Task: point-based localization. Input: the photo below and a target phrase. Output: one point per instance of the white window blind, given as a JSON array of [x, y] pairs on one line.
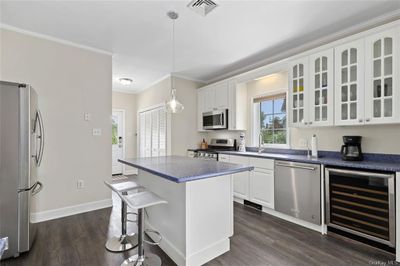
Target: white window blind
[[153, 133]]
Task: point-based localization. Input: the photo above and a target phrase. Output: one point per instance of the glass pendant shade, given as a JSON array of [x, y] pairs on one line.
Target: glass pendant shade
[[173, 105]]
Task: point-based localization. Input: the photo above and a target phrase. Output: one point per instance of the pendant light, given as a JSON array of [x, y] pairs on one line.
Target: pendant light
[[173, 105]]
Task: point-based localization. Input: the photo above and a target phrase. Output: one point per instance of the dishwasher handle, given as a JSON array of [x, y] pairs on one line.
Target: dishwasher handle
[[297, 166]]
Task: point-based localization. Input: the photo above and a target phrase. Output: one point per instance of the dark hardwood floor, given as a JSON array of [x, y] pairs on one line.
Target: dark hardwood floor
[[260, 239]]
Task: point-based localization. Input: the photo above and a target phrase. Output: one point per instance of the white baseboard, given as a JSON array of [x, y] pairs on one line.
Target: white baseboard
[[203, 256], [70, 210], [172, 251], [209, 253]]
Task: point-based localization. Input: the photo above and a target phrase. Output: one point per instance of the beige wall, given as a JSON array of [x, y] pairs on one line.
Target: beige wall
[[376, 139], [184, 133], [70, 82], [127, 102]]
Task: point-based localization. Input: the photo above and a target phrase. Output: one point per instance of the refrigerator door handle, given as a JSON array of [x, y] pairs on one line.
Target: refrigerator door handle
[[37, 188], [40, 136]]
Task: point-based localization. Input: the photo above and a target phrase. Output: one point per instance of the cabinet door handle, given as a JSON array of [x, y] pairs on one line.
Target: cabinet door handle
[[360, 120], [305, 123], [367, 120], [310, 123]]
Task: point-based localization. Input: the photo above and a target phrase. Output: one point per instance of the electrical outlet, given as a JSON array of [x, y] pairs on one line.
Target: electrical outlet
[[80, 184], [303, 143], [87, 117], [96, 131]]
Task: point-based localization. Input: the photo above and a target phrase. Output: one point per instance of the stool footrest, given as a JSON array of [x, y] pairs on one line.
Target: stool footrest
[[129, 220], [153, 243]]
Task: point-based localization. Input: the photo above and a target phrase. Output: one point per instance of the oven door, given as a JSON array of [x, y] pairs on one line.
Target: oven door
[[215, 119]]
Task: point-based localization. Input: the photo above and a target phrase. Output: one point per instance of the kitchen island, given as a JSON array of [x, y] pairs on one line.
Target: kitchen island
[[197, 222]]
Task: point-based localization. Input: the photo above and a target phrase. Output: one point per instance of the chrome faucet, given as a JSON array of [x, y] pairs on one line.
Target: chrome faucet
[[260, 136]]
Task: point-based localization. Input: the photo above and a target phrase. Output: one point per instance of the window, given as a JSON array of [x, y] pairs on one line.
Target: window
[[271, 119]]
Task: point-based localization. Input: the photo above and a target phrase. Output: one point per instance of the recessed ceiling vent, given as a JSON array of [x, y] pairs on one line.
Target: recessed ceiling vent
[[202, 7]]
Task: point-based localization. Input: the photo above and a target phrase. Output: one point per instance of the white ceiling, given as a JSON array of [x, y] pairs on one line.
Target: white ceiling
[[235, 34]]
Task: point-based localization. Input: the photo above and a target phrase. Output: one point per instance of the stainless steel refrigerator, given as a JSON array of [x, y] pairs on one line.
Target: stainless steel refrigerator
[[21, 152]]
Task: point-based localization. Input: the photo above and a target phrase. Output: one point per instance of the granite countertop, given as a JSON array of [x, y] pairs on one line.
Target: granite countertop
[[380, 162], [182, 169]]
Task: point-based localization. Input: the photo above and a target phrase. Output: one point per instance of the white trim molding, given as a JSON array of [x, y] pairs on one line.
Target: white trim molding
[[356, 31], [70, 210], [54, 39]]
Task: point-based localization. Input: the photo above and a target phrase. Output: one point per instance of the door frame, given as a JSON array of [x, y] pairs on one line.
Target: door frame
[[123, 136]]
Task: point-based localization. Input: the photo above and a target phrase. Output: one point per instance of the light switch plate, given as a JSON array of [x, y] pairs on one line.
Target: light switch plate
[[80, 184], [87, 117], [96, 131]]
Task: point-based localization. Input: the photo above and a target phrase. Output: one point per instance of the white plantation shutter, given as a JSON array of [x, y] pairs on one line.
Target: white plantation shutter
[[147, 126], [142, 134], [153, 133], [162, 132]]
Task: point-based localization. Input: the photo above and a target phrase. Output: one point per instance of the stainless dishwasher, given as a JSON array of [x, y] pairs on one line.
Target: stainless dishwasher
[[298, 190]]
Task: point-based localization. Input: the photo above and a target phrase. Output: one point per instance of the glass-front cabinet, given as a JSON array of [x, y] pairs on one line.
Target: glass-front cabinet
[[349, 83], [298, 92], [321, 89], [382, 78]]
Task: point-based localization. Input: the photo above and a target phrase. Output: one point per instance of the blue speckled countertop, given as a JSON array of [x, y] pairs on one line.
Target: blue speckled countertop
[[380, 162], [182, 169]]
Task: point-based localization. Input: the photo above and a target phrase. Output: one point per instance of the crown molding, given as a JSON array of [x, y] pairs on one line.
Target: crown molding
[[54, 39], [388, 18]]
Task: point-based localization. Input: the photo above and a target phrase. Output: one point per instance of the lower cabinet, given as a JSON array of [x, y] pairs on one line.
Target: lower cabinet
[[241, 185], [256, 186], [240, 180], [262, 187]]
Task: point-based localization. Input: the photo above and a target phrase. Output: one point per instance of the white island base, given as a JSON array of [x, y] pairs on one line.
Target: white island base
[[197, 221]]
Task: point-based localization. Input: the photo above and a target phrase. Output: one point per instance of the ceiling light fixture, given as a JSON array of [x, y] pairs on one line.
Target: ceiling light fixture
[[125, 81], [173, 105], [274, 75]]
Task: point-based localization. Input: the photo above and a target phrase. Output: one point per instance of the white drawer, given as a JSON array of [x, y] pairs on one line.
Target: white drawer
[[239, 159], [262, 163], [223, 158]]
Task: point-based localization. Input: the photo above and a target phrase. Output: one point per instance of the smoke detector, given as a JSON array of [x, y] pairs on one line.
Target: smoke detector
[[202, 7]]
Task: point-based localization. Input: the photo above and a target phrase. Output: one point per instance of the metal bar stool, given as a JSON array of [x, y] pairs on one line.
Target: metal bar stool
[[140, 201], [124, 241]]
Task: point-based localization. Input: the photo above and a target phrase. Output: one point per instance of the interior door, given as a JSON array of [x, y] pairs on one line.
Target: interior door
[[117, 141]]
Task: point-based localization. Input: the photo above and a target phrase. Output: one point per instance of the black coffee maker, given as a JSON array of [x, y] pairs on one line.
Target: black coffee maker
[[351, 150]]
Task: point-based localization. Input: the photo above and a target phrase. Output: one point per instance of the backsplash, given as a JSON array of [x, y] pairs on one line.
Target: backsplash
[[376, 139]]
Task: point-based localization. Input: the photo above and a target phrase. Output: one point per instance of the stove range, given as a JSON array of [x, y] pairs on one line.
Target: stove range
[[215, 146]]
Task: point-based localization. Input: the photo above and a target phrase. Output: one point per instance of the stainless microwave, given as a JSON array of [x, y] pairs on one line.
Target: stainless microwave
[[217, 119]]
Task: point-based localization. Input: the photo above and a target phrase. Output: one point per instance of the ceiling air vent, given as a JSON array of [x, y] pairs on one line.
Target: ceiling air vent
[[202, 7]]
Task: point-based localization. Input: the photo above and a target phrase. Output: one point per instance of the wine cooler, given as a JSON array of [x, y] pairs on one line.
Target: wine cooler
[[361, 203]]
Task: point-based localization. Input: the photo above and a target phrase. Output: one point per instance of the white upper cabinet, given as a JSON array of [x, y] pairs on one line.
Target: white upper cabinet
[[226, 94], [201, 107], [321, 89], [210, 98], [221, 95], [237, 106], [298, 93], [215, 96], [382, 102], [349, 83]]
